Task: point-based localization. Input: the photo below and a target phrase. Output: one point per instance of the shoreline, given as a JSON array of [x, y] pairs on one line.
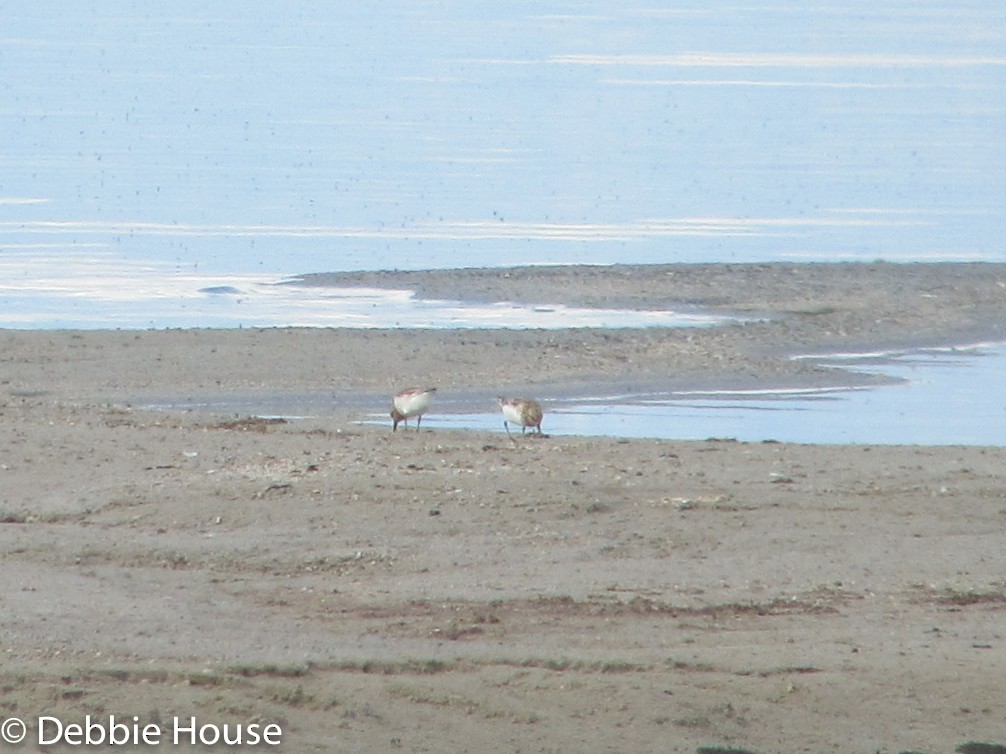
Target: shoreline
[[804, 309], [456, 590]]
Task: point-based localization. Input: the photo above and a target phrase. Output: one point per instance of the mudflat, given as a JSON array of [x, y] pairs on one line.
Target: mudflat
[[460, 591]]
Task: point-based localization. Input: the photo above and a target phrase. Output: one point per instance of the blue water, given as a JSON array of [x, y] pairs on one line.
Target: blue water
[[942, 397], [166, 165], [281, 138]]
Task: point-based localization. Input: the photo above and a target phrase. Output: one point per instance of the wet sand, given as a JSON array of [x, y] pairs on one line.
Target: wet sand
[[456, 591]]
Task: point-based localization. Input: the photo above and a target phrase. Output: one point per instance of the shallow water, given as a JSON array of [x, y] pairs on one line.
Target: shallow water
[[935, 397], [943, 397], [56, 295]]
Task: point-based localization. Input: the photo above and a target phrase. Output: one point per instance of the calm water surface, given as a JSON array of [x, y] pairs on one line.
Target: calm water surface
[[166, 165], [942, 397], [283, 138]]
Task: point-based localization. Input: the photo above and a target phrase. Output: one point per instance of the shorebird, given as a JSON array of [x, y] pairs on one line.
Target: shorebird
[[523, 411], [413, 401]]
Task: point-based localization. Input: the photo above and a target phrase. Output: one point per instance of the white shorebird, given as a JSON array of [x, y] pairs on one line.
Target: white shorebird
[[523, 411], [413, 401]]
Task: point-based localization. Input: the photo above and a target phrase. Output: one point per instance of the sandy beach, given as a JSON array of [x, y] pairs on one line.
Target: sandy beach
[[439, 591]]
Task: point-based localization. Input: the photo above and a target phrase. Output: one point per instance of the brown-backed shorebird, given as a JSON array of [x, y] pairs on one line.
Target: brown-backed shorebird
[[523, 411]]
